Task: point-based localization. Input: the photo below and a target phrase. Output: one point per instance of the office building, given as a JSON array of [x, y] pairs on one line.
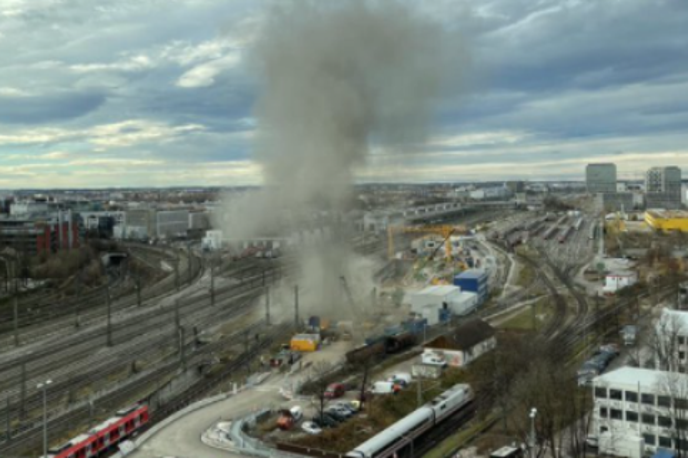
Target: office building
[[600, 178], [637, 411], [663, 187]]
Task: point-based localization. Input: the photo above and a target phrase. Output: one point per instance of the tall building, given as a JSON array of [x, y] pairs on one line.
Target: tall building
[[663, 187], [600, 178]]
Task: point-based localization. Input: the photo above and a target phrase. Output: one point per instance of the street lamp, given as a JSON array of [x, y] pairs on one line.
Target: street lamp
[[44, 386], [531, 445]]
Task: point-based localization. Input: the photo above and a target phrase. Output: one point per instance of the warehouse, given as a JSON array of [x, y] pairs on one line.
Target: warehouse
[[667, 220], [462, 346]]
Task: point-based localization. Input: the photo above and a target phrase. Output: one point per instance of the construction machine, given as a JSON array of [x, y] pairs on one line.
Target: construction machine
[[446, 231]]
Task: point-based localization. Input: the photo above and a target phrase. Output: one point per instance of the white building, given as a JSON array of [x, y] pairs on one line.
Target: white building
[[28, 208], [91, 220], [433, 296], [670, 344], [171, 223], [614, 281], [212, 240], [638, 410], [465, 344]]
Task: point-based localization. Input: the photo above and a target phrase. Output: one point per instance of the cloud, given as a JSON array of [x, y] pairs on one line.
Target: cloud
[[48, 107], [122, 134], [205, 74], [554, 83], [132, 64]]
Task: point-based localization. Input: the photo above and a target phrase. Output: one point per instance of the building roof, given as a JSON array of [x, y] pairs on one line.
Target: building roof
[[677, 320], [668, 214], [472, 274], [632, 376], [464, 337], [439, 290]]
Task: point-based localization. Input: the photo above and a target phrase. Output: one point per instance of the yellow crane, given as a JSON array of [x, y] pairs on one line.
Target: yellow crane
[[445, 231]]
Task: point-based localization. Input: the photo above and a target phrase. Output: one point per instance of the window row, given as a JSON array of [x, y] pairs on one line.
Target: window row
[[645, 418], [645, 398], [661, 441]]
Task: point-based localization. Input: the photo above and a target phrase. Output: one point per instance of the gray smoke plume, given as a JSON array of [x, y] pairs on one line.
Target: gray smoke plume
[[337, 78]]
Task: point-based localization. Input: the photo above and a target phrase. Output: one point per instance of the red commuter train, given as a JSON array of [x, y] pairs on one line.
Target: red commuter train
[[105, 436]]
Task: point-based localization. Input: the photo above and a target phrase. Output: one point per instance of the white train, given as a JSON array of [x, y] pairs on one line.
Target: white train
[[401, 433]]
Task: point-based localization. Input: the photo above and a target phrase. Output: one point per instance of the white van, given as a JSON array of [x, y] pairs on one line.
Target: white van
[[383, 387], [402, 378]]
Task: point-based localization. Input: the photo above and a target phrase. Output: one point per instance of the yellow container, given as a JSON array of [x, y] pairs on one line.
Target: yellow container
[[305, 342]]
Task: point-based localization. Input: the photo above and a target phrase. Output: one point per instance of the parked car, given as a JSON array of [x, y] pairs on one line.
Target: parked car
[[351, 406], [325, 421], [337, 414], [611, 348], [335, 390], [402, 378], [288, 418], [311, 427]]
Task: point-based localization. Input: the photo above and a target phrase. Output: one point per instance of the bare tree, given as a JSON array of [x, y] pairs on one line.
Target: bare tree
[[667, 342], [674, 387], [320, 371]]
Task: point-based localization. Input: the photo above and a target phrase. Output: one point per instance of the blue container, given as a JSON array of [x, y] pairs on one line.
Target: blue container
[[473, 280], [314, 322], [445, 315]]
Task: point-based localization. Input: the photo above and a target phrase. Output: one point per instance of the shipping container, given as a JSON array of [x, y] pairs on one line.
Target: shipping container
[[305, 342], [475, 281]]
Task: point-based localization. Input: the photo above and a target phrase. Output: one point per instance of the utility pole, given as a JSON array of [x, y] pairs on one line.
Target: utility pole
[[16, 320], [182, 353], [296, 306], [176, 273], [109, 317], [177, 317], [267, 305], [138, 290], [22, 391], [190, 276], [8, 435], [212, 281], [419, 392], [44, 386]]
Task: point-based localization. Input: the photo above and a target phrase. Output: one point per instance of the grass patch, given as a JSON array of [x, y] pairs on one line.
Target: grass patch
[[523, 320]]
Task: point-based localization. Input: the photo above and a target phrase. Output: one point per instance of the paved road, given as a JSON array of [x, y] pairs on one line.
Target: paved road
[[182, 439]]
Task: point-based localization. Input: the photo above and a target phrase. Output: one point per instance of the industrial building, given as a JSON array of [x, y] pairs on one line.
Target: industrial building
[[437, 303], [465, 344], [638, 410], [148, 223], [667, 220], [663, 187], [600, 178], [618, 201], [475, 281]]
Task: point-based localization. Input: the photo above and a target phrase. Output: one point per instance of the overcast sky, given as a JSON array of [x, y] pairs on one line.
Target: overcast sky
[[158, 92]]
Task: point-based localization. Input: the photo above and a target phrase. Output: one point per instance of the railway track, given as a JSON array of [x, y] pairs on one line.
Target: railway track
[[93, 309], [27, 438], [82, 367]]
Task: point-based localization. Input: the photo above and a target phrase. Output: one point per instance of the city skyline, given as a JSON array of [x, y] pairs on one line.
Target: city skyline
[[141, 93]]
